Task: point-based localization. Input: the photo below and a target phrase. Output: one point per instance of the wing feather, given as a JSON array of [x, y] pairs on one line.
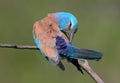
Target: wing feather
[[45, 32]]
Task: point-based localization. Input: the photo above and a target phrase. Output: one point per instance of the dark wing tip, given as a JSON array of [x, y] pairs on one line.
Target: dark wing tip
[[91, 54], [76, 64], [61, 66]]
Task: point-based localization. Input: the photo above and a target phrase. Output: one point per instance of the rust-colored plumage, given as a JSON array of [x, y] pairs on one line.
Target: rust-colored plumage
[[45, 31]]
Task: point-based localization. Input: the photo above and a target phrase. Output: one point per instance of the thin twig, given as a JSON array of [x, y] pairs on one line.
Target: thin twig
[[17, 46], [83, 64]]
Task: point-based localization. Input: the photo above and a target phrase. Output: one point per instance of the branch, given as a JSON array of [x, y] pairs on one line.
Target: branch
[[83, 64], [17, 46]]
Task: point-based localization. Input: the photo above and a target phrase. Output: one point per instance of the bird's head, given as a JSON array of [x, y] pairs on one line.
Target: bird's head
[[68, 24]]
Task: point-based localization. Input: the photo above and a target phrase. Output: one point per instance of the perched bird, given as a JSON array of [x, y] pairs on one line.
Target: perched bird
[[53, 35], [68, 24]]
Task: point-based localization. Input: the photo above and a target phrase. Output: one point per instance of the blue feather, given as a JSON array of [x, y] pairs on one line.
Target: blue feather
[[38, 44], [36, 41], [64, 19], [70, 51]]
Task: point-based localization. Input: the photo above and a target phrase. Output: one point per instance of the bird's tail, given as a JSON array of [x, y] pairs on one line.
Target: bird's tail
[[83, 54], [61, 66], [76, 64], [67, 50]]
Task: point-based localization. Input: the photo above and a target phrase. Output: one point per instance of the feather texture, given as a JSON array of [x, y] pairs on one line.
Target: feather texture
[[70, 51], [45, 32]]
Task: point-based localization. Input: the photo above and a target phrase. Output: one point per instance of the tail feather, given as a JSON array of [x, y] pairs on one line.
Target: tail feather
[[74, 52], [67, 50], [76, 64], [61, 66]]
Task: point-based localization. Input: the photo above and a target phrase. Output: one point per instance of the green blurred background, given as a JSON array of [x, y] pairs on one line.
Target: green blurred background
[[99, 29]]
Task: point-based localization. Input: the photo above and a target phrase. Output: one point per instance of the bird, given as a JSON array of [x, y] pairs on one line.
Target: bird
[[68, 24], [53, 36]]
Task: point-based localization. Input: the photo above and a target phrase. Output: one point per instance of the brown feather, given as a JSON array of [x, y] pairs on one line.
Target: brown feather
[[45, 32]]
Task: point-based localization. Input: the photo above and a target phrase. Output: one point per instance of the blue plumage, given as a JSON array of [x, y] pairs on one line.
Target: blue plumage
[[38, 44], [67, 50], [64, 19], [68, 23]]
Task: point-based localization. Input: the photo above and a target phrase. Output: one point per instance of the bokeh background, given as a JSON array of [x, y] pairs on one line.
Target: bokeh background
[[99, 29]]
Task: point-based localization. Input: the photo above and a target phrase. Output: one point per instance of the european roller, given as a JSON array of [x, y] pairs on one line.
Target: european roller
[[68, 24], [53, 35]]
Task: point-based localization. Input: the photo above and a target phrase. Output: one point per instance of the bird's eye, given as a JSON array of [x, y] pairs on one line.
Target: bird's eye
[[69, 27]]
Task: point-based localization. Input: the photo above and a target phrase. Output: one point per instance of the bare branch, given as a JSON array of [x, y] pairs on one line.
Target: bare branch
[[83, 64], [17, 46]]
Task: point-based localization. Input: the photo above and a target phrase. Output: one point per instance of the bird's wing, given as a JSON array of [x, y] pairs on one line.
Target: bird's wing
[[45, 32], [68, 50]]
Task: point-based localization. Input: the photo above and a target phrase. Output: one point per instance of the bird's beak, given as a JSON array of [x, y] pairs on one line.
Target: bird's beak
[[71, 36]]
